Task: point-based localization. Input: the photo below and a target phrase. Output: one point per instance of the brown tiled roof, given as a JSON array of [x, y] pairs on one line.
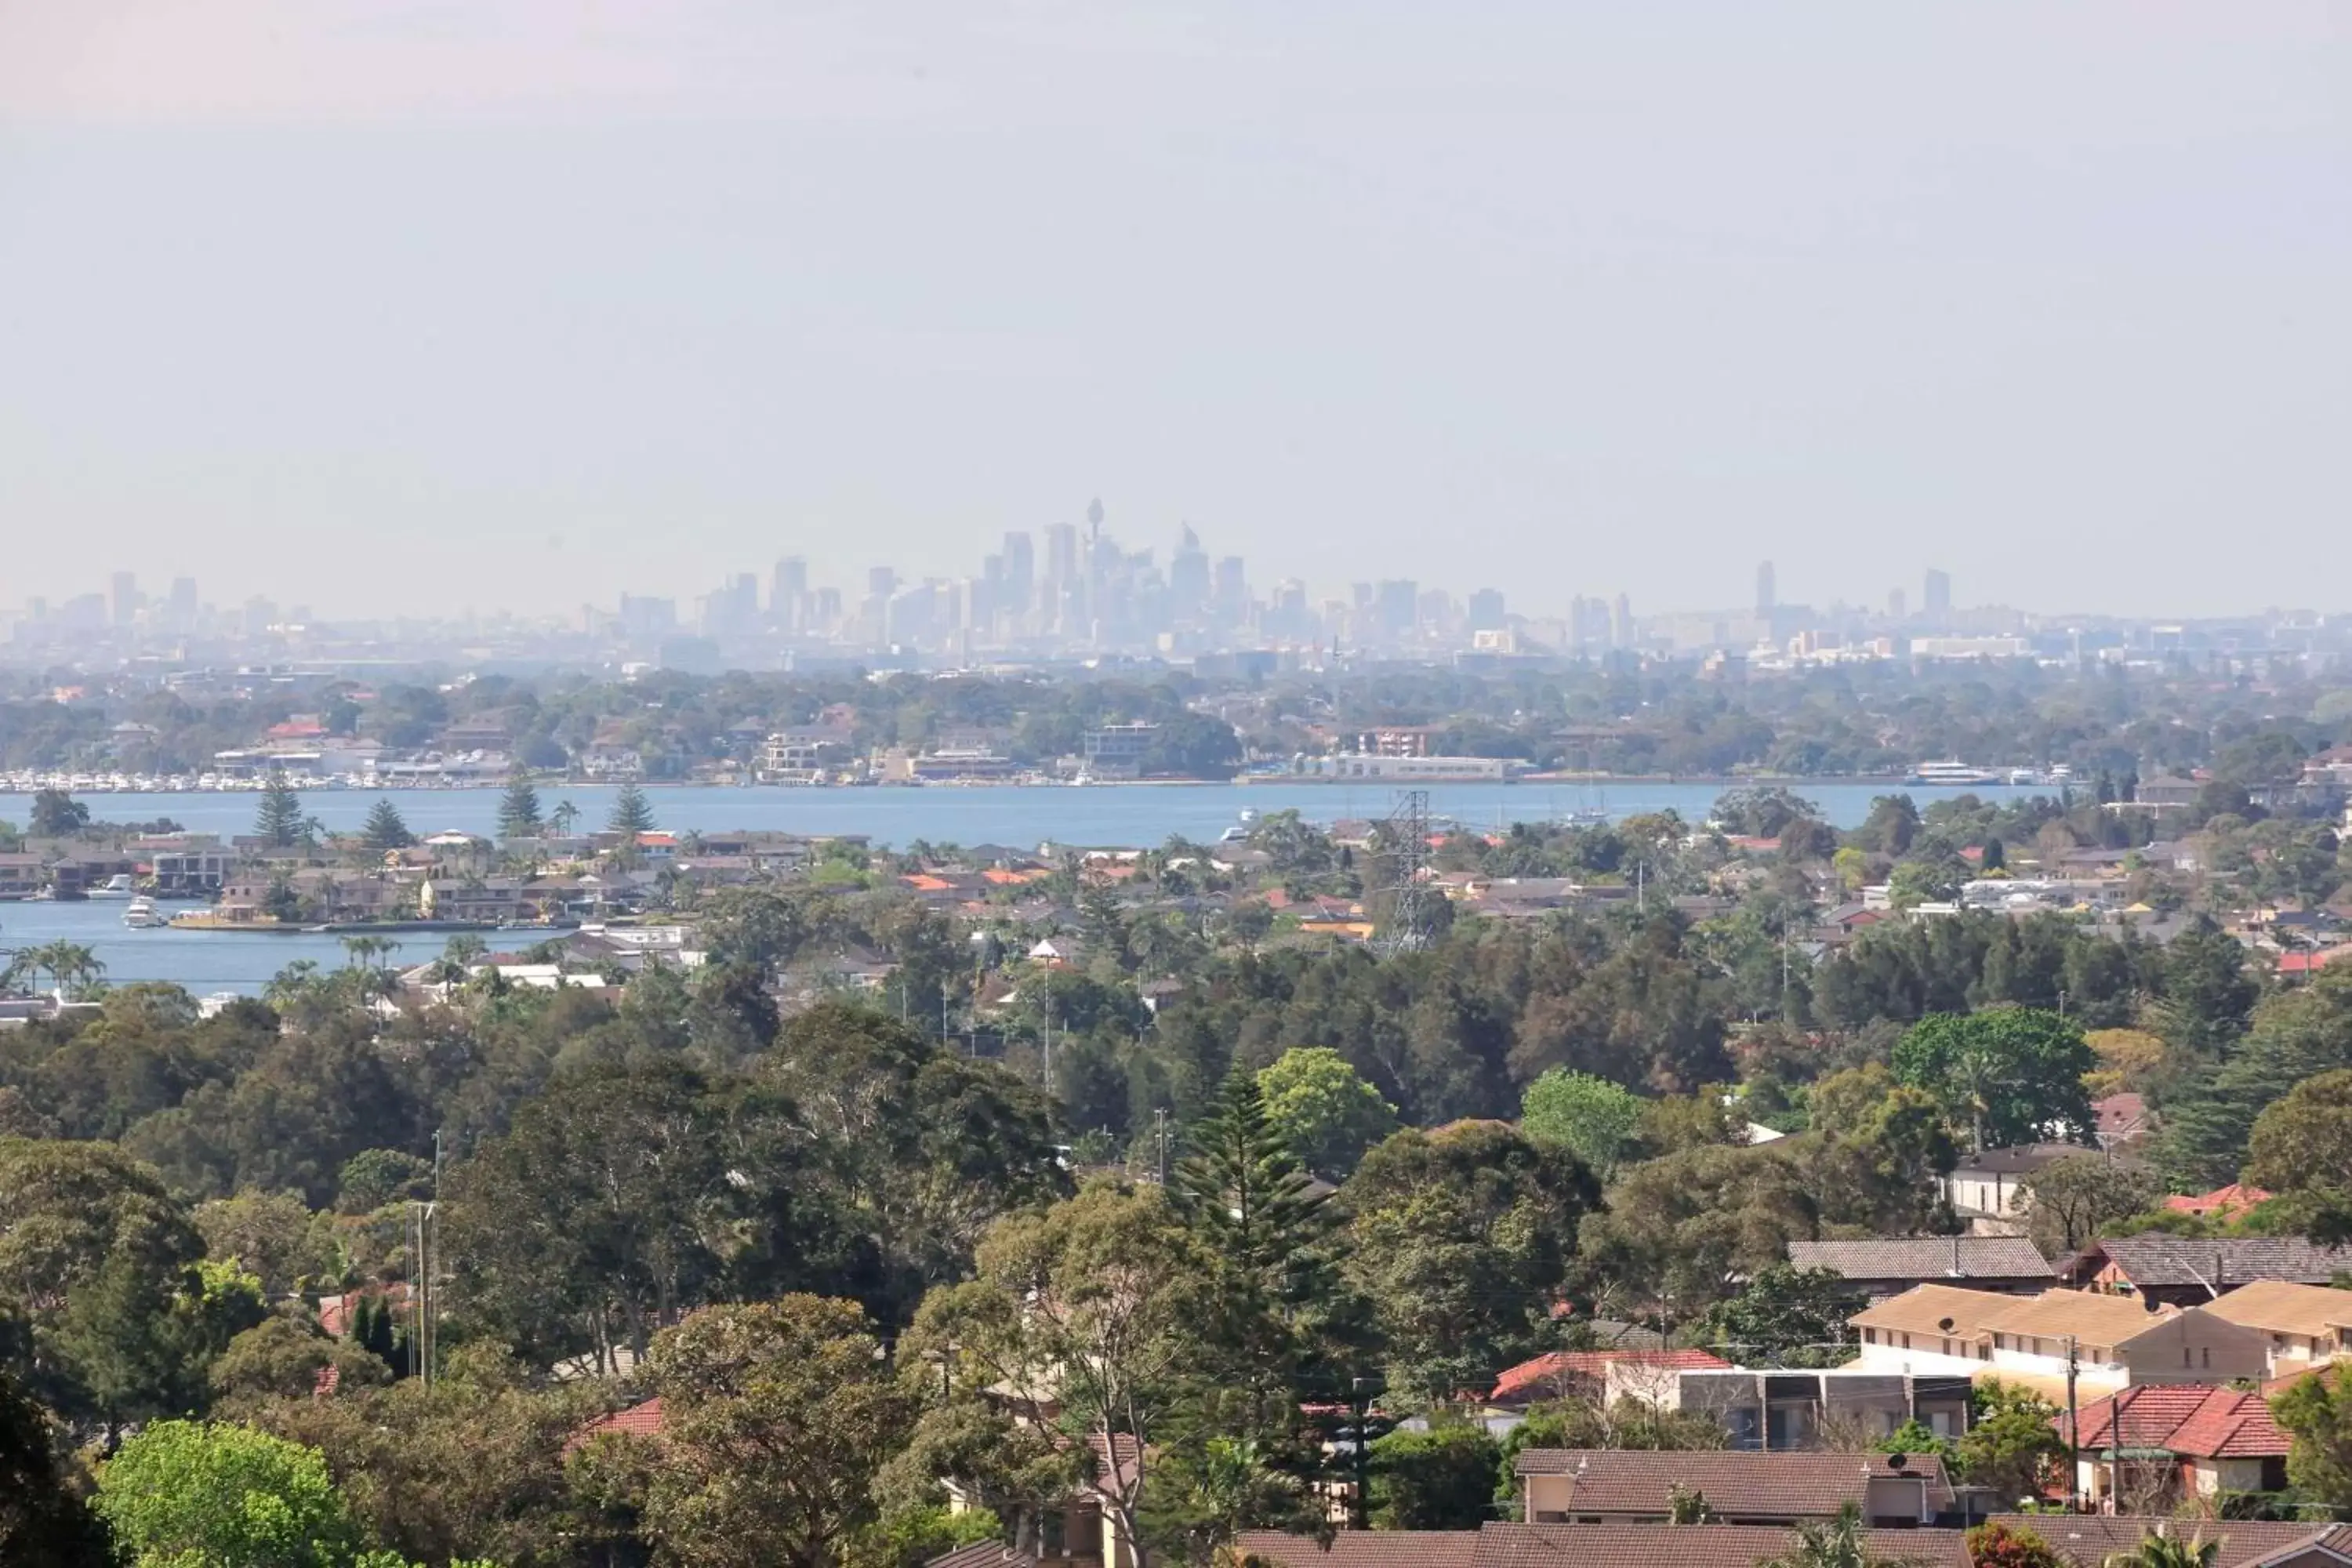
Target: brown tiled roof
[[1688, 1546], [2283, 1307], [1925, 1257], [2095, 1320], [985, 1554], [1365, 1549], [2200, 1420], [1792, 1486], [2221, 1261], [2089, 1540]]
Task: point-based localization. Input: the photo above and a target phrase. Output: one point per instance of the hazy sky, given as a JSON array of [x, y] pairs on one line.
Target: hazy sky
[[412, 307]]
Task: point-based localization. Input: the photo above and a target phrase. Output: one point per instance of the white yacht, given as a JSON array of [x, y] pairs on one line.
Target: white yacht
[[140, 914], [1952, 771], [119, 885]]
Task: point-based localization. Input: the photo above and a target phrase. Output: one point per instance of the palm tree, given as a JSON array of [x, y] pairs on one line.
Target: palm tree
[[1839, 1542], [2158, 1548], [70, 966], [564, 815]]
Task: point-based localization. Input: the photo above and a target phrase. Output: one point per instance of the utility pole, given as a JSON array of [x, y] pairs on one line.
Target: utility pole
[[2073, 1434], [1159, 1120]]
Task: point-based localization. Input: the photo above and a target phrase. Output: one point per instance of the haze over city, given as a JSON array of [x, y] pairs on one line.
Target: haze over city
[[394, 310]]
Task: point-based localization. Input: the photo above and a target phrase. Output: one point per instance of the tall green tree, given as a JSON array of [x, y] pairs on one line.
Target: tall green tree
[[98, 1261], [632, 812], [384, 828], [1786, 1317], [1462, 1240], [43, 1522], [2209, 1119], [519, 815], [57, 815], [1085, 1317], [279, 822], [185, 1493], [1323, 1111], [776, 1420], [2005, 1074], [1443, 1478], [1591, 1117]]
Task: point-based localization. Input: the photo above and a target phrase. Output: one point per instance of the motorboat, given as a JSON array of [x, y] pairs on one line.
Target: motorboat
[[119, 885], [140, 914]]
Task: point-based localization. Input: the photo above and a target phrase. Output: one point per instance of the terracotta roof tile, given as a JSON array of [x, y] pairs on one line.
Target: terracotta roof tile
[[1547, 1374], [1689, 1546], [1365, 1549], [2089, 1540], [2195, 1419]]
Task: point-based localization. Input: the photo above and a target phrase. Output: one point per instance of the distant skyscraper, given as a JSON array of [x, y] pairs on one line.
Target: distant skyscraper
[[881, 582], [1188, 574], [1398, 606], [1938, 600], [1895, 606], [1062, 553], [1766, 598], [1019, 586], [126, 598], [788, 595], [1621, 622], [184, 608], [1486, 610]]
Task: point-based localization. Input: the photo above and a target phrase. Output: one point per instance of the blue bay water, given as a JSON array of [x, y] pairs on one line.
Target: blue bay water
[[1021, 816]]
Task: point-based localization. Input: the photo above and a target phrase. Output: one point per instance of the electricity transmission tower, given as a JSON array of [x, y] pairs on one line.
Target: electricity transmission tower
[[1412, 924]]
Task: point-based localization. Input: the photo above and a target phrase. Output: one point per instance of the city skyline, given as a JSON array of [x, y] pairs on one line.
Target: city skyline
[[1578, 300]]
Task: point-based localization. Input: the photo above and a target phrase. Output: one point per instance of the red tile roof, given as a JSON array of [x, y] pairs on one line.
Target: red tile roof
[[2221, 1200], [2198, 1420], [637, 1421], [1548, 1374]]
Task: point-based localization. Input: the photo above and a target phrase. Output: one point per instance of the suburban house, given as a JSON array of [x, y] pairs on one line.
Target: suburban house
[[1617, 1485], [194, 868], [2112, 1342], [1991, 1190], [2301, 1326], [21, 875], [1888, 1266], [1781, 1410], [1609, 1375], [1499, 1545], [2221, 1203], [2158, 1445], [2186, 1270]]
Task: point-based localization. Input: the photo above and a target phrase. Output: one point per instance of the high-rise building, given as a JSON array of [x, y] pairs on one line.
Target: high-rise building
[[1486, 610], [1229, 593], [126, 598], [1621, 622], [1062, 553], [1020, 584], [1766, 598], [1188, 575], [184, 610], [1397, 609], [788, 595], [1937, 602]]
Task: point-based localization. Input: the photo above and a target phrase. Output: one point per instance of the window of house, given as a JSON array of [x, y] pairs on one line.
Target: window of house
[[2207, 1353], [2184, 1355]]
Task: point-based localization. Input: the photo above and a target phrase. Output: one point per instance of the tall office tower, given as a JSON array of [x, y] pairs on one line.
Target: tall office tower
[[1062, 555], [826, 613], [642, 617], [126, 598], [1188, 575], [1486, 610], [1938, 600], [1621, 622], [1895, 607], [1094, 519], [1229, 592], [788, 595], [1767, 600], [1397, 607], [881, 582], [746, 594], [184, 607], [1019, 586]]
